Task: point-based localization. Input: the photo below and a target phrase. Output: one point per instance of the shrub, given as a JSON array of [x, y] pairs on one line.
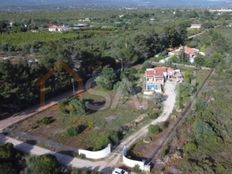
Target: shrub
[[154, 114], [10, 160], [72, 132], [154, 129], [190, 147], [136, 169], [73, 107], [100, 141], [84, 171], [46, 120], [7, 168], [45, 164], [7, 152], [115, 137]]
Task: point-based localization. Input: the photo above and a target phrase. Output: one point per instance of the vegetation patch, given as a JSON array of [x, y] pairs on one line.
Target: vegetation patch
[[46, 120], [73, 107], [154, 129]]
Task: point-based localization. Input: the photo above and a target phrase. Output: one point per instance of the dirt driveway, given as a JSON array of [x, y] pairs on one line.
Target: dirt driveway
[[169, 104]]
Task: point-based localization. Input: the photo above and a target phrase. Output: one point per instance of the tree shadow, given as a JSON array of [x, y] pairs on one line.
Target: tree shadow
[[31, 142], [93, 106]]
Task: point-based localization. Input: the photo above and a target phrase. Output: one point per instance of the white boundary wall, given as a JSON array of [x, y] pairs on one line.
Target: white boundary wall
[[96, 154], [133, 163]]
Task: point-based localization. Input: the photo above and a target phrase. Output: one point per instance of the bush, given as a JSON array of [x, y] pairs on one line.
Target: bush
[[136, 169], [72, 132], [46, 120], [7, 152], [100, 141], [73, 107], [154, 129], [190, 147], [7, 168], [115, 137], [45, 164], [84, 171], [154, 114]]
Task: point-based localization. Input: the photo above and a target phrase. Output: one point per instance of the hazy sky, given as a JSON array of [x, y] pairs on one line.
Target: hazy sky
[[158, 3]]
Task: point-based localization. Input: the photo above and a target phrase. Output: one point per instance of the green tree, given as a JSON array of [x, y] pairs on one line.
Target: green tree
[[200, 61], [174, 38], [10, 160], [107, 78], [73, 107], [45, 164]]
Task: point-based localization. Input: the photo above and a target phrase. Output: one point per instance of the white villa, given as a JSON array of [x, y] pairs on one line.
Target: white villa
[[155, 78], [191, 53], [195, 26], [58, 28]]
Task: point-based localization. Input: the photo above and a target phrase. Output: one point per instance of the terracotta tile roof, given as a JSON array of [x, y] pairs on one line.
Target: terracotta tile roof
[[191, 50], [188, 50], [158, 71], [149, 73], [55, 26]]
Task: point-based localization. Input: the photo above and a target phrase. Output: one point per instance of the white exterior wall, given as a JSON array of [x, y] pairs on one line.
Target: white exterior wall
[[133, 163], [52, 29], [96, 154]]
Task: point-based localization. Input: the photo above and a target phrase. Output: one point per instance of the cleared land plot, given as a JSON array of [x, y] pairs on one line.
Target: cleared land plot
[[96, 126]]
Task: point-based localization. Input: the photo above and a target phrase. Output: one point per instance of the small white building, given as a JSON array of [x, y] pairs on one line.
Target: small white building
[[58, 28], [195, 26]]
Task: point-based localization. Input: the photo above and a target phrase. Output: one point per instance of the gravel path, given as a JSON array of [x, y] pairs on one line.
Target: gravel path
[[64, 159], [168, 107]]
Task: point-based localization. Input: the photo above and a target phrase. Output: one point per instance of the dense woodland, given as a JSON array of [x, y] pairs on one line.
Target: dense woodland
[[118, 48]]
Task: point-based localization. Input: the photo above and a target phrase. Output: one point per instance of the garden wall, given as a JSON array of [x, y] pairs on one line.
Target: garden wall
[[133, 163], [96, 154]]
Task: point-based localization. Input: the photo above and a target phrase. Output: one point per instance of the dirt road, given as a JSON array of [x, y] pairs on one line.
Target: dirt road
[[34, 110], [169, 104]]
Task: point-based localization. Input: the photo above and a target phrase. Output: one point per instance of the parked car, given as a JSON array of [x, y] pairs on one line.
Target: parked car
[[119, 171]]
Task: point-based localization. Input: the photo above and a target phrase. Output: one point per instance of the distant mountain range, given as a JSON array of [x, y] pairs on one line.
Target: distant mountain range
[[118, 3]]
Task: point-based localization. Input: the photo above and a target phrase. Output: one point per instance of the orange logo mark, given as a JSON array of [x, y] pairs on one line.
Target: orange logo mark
[[58, 67]]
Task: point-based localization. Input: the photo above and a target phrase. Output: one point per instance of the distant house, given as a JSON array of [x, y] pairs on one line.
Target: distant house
[[81, 26], [195, 26], [34, 31], [191, 53], [121, 16], [58, 28], [156, 77], [85, 20]]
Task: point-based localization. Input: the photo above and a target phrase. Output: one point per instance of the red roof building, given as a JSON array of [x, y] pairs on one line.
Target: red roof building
[[191, 53], [156, 77]]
